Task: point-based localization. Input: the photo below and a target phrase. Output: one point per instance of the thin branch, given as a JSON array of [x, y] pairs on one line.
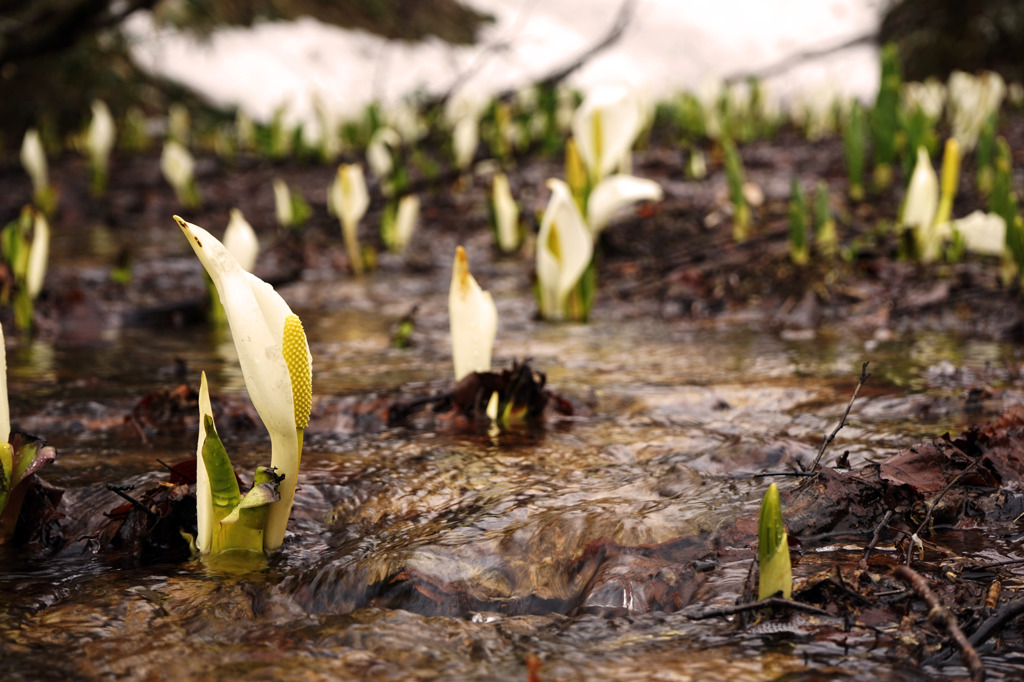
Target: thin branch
[[935, 502], [864, 376], [996, 621], [863, 565], [940, 617], [796, 59], [776, 602], [120, 491]]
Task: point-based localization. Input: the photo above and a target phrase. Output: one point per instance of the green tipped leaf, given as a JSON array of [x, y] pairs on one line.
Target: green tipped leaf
[[223, 484], [776, 574]]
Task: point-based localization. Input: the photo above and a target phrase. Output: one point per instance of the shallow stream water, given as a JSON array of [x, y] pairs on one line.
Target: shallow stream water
[[460, 553]]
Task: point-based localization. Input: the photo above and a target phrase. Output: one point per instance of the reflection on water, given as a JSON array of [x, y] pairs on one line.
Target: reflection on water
[[457, 554]]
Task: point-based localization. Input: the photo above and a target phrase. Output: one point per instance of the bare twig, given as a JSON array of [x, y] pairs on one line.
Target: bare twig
[[935, 502], [779, 602], [622, 19], [799, 58], [996, 621], [940, 617], [863, 565], [864, 376], [121, 491]]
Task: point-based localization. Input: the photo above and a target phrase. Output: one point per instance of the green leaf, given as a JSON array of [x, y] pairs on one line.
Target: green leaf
[[223, 484], [776, 574]]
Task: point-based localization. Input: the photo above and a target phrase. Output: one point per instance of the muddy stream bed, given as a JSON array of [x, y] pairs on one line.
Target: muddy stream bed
[[581, 547]]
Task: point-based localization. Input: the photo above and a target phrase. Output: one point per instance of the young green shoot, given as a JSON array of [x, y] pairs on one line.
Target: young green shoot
[[885, 117], [826, 240], [99, 141], [854, 141], [775, 569], [736, 179], [799, 233], [20, 457]]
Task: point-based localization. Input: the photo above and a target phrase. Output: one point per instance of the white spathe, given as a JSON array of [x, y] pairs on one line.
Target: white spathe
[[506, 214], [283, 203], [922, 198], [983, 233], [473, 319], [564, 250], [378, 152], [256, 315], [204, 495], [38, 256], [406, 217], [177, 165], [348, 196], [241, 241], [605, 126], [100, 136], [33, 159], [971, 100], [616, 192]]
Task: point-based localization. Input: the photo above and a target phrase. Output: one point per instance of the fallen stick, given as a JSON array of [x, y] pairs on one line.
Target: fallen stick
[[940, 617], [779, 602]]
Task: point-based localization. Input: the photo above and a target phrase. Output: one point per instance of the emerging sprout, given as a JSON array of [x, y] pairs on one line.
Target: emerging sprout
[[564, 250], [854, 140], [291, 208], [736, 180], [825, 238], [33, 159], [473, 318], [463, 113], [406, 217], [505, 214], [972, 99], [950, 181], [275, 360], [776, 573], [27, 259], [20, 457], [380, 151], [178, 167], [921, 204], [100, 141], [348, 199], [799, 237]]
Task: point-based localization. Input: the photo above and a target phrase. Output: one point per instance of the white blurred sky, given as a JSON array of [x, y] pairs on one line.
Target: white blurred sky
[[670, 45]]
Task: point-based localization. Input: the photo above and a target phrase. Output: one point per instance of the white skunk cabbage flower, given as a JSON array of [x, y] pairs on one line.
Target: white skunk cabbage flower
[[33, 159], [99, 139], [283, 203], [463, 114], [971, 100], [38, 256], [378, 152], [929, 97], [178, 167], [616, 192], [406, 217], [473, 318], [348, 199], [275, 359], [983, 233], [506, 214], [240, 240], [605, 126], [564, 250], [921, 203]]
